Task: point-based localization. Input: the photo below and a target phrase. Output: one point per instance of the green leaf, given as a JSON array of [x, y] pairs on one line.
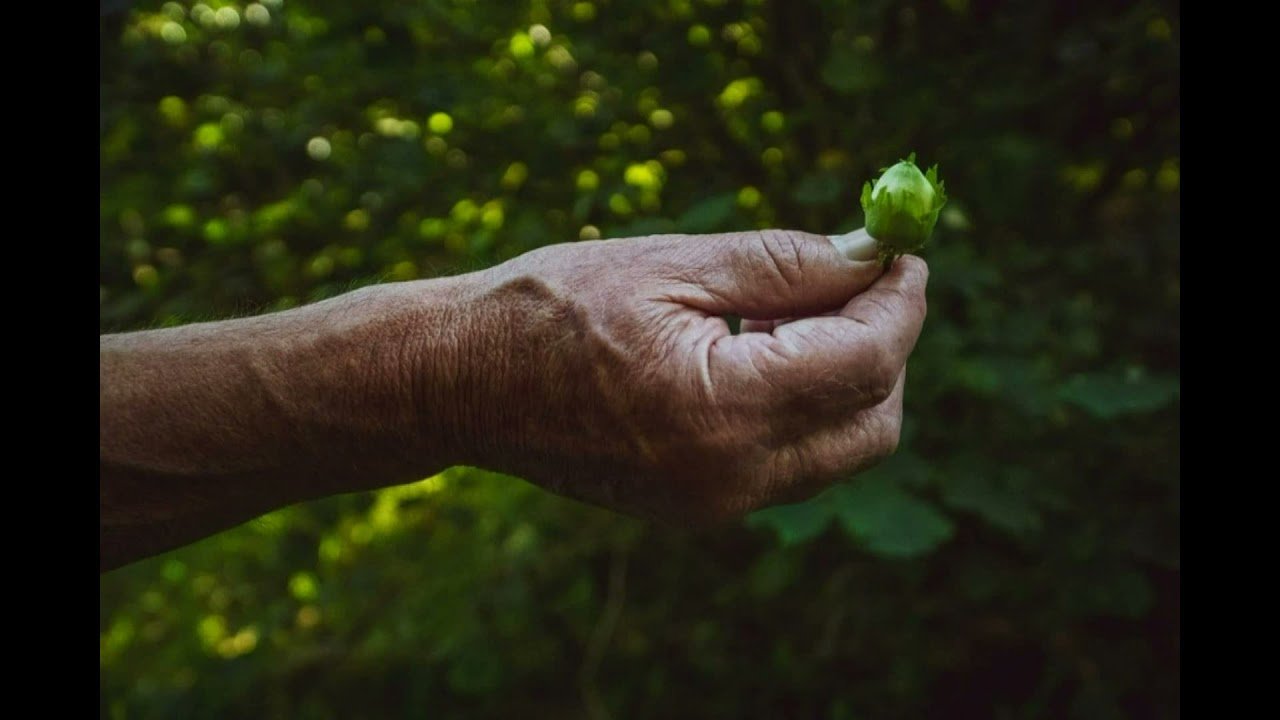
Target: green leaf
[[794, 524], [996, 502], [1019, 381], [903, 469], [889, 521], [1108, 395]]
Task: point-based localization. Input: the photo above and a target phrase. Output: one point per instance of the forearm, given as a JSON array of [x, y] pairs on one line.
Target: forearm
[[205, 426], [601, 371]]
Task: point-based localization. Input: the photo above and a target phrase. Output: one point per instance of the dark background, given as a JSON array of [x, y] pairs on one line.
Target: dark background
[[1018, 557]]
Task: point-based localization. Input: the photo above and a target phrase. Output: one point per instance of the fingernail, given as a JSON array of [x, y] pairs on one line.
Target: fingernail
[[857, 245]]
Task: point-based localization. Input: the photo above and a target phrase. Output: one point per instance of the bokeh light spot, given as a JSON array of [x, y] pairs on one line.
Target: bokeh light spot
[[588, 180], [208, 137], [1167, 179], [178, 215], [321, 266], [1159, 29], [204, 15], [515, 175], [674, 157], [303, 586], [561, 59], [432, 228], [620, 204], [356, 220], [308, 617], [400, 272], [521, 45], [455, 158], [647, 176], [739, 91], [146, 276], [435, 145], [257, 14], [492, 215], [318, 148], [173, 110], [227, 17], [440, 123], [1134, 179], [173, 33]]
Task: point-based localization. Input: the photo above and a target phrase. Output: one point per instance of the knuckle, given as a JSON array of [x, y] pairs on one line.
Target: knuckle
[[896, 300], [878, 391], [881, 373], [917, 269], [785, 250], [886, 308], [788, 463], [917, 280], [914, 296]]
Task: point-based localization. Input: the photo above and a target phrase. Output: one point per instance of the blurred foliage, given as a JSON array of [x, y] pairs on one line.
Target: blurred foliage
[[1019, 556]]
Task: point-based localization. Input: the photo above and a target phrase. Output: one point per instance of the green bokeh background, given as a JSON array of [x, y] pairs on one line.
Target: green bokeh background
[[1018, 557]]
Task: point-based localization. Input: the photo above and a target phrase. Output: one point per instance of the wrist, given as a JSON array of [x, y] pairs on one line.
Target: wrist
[[436, 353], [481, 351], [367, 380]]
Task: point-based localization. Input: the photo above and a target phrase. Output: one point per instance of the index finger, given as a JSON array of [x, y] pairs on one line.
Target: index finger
[[836, 365]]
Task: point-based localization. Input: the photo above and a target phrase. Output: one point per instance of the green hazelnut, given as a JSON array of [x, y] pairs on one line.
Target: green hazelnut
[[902, 208]]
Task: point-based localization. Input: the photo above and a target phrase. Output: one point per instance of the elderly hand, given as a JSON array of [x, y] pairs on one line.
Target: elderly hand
[[606, 371]]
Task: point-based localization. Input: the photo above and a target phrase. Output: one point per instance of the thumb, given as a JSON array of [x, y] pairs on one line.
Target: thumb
[[770, 274]]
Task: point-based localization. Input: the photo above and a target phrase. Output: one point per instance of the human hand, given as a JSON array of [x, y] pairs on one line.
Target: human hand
[[605, 371]]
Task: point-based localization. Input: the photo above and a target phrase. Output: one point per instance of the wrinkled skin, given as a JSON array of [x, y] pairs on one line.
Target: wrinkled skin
[[603, 371], [608, 374]]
